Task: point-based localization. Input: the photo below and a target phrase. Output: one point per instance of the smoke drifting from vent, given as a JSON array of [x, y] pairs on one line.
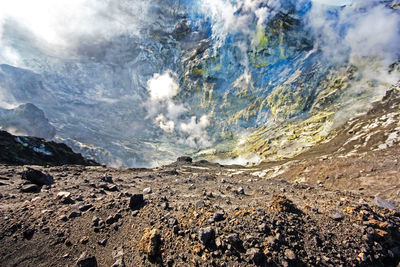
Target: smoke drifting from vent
[[361, 29], [171, 117]]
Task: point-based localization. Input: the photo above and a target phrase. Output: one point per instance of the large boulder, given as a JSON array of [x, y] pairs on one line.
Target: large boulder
[[37, 177], [86, 260]]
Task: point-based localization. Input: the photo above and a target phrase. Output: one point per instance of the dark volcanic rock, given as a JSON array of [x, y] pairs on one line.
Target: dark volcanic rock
[[37, 177], [256, 256], [28, 233], [74, 214], [218, 216], [181, 30], [337, 215], [22, 150], [86, 260], [184, 159], [383, 203], [30, 188], [136, 201], [206, 235], [234, 240]]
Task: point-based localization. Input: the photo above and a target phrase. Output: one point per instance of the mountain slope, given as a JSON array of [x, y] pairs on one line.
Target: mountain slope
[[22, 150]]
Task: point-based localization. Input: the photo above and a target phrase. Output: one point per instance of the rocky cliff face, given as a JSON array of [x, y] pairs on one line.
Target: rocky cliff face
[[27, 119], [22, 150]]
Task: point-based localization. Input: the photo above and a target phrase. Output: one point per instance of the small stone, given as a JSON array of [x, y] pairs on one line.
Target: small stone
[[219, 243], [31, 188], [63, 194], [336, 215], [108, 187], [86, 260], [85, 207], [165, 205], [74, 214], [28, 233], [206, 235], [110, 220], [107, 179], [200, 204], [136, 201], [103, 242], [135, 213], [219, 216], [289, 254], [240, 191], [172, 222], [255, 256], [362, 257], [95, 221], [84, 240], [147, 190], [263, 228], [36, 199], [112, 188], [234, 240], [175, 229], [150, 242], [185, 159], [119, 263], [65, 197], [63, 218], [383, 203]]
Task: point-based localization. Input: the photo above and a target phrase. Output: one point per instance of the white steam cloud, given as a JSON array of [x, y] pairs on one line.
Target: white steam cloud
[[163, 87], [196, 133], [240, 160], [7, 101], [231, 17], [60, 27], [170, 116], [227, 20], [334, 2], [365, 29]]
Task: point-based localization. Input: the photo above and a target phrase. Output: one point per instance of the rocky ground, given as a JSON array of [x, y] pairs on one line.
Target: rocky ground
[[187, 214], [335, 205]]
